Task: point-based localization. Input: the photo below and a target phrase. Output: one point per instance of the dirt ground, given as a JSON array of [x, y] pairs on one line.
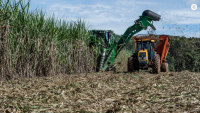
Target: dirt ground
[[103, 92]]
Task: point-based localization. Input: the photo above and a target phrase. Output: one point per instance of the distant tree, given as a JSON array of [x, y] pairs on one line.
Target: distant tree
[[184, 54]]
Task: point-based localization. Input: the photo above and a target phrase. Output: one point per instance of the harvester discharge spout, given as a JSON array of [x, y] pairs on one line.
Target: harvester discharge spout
[[151, 15]]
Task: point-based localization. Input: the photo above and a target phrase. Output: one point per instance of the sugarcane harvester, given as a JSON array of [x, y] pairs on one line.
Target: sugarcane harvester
[[110, 48]]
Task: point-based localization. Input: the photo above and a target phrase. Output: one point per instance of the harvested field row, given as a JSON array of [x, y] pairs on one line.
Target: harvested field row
[[103, 92]]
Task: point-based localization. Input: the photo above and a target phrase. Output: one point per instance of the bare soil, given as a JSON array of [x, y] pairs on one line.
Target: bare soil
[[103, 92]]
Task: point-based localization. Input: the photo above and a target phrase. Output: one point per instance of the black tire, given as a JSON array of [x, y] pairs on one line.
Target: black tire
[[164, 67], [156, 64], [135, 67], [130, 64]]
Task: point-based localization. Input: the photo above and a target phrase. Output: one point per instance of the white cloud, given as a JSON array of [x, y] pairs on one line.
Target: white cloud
[[190, 2], [181, 16], [134, 2], [185, 13], [119, 15]]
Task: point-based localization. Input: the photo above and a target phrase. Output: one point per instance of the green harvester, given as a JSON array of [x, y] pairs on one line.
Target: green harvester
[[110, 48]]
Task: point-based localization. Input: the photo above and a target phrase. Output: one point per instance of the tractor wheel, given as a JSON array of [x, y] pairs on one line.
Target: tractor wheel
[[164, 67], [156, 64], [135, 68], [130, 64]]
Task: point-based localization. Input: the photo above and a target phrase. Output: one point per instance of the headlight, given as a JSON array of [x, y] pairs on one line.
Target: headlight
[[140, 58]]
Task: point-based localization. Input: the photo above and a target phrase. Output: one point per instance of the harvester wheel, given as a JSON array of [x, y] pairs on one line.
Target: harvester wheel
[[98, 64], [164, 67], [130, 64], [156, 64]]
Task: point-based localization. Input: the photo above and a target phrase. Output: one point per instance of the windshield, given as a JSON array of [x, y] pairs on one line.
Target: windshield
[[145, 46]]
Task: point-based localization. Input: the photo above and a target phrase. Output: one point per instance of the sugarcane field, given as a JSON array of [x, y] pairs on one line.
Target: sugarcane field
[[108, 62]]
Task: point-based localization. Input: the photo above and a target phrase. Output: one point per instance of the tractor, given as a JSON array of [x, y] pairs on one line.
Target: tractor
[[110, 48], [149, 54]]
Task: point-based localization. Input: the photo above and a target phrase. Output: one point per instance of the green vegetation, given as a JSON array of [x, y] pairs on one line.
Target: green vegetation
[[184, 54], [34, 44]]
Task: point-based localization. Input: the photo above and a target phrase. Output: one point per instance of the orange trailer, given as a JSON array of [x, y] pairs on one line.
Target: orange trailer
[[155, 53]]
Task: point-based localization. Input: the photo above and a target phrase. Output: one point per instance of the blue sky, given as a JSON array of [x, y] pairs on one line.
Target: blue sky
[[177, 16]]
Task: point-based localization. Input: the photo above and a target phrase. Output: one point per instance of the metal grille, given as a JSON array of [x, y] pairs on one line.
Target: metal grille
[[142, 54]]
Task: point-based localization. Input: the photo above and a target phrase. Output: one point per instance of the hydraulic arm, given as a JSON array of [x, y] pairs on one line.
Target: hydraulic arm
[[142, 23]]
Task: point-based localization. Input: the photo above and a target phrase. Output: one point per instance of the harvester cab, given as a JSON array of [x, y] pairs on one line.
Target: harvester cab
[[104, 37]]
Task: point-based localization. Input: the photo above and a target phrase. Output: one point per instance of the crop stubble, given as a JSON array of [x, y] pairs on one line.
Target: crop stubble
[[103, 92]]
